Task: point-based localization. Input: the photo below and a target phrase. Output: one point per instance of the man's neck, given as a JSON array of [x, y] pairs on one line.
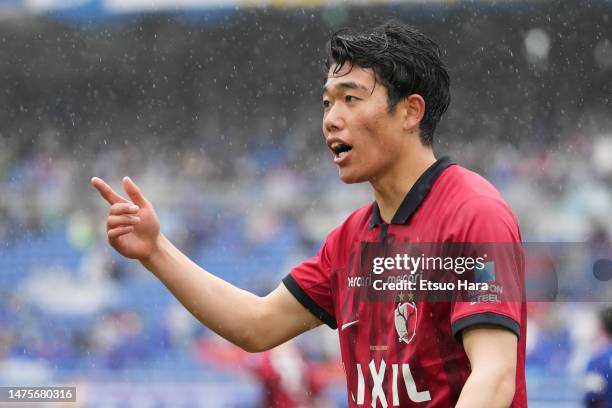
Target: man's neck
[[391, 188]]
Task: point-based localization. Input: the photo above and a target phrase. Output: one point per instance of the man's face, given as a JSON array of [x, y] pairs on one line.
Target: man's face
[[365, 139]]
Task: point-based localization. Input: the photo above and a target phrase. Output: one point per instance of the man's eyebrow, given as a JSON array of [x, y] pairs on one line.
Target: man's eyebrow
[[346, 85]]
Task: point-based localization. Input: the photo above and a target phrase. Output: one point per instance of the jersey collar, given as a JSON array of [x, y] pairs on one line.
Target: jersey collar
[[415, 196]]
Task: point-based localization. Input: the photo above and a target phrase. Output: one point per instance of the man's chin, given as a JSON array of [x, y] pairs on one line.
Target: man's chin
[[350, 178]]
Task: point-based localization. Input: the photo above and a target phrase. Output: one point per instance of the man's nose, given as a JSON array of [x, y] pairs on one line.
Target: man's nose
[[333, 120]]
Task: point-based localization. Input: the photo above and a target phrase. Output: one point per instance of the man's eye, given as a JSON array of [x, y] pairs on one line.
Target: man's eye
[[326, 104], [350, 98]]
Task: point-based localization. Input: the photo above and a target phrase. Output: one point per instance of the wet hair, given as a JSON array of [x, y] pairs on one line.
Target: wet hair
[[404, 60], [605, 316]]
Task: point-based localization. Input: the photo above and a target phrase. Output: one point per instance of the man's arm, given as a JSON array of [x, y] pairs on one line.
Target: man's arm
[[492, 354], [251, 322]]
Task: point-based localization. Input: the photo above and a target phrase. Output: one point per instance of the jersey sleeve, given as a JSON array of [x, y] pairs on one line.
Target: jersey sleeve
[[490, 227], [310, 283]]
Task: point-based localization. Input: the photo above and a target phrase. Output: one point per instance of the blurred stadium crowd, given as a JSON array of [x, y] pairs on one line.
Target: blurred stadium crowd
[[217, 116]]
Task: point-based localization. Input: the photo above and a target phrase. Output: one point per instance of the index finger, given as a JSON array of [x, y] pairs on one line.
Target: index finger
[[107, 192]]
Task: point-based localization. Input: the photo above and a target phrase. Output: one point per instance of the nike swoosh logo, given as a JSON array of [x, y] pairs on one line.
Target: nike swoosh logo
[[349, 324]]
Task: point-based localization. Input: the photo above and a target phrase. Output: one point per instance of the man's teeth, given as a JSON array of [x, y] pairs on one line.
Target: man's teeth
[[342, 154], [339, 147]]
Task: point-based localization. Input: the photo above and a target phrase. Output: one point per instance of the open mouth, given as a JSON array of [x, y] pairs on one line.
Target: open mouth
[[340, 149]]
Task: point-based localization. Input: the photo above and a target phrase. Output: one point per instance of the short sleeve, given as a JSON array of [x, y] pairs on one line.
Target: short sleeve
[[310, 283], [490, 227]]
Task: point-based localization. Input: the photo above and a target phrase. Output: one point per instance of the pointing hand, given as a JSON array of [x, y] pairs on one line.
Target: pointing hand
[[132, 225]]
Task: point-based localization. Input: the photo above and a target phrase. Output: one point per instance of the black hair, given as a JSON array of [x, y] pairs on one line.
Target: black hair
[[605, 316], [403, 59]]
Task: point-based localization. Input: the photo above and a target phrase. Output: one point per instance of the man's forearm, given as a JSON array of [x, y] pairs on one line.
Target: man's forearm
[[487, 390], [231, 312], [251, 322]]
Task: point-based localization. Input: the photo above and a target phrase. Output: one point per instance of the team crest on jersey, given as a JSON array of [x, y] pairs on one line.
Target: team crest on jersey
[[406, 321]]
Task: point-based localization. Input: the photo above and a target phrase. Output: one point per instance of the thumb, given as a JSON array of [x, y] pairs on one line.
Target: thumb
[[134, 192]]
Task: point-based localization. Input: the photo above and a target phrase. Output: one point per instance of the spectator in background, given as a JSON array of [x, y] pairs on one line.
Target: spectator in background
[[287, 377], [599, 370]]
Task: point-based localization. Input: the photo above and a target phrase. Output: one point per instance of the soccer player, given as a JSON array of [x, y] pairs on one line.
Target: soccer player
[[599, 369], [385, 91]]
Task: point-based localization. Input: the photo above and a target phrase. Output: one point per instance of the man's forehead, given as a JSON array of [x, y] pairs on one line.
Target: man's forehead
[[350, 69], [350, 76]]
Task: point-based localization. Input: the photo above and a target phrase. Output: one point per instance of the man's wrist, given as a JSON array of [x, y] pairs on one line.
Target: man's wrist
[[157, 254]]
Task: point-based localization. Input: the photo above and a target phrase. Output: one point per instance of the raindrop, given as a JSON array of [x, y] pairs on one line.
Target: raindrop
[[603, 54], [537, 44]]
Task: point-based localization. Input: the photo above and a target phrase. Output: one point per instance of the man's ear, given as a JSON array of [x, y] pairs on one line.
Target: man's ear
[[414, 110]]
